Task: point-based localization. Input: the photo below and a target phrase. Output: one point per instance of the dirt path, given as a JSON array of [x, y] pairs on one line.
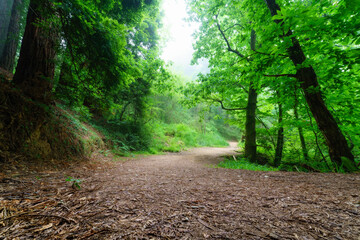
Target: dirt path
[[178, 196]]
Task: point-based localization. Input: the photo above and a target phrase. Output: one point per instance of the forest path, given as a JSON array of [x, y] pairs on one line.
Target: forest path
[[178, 196]]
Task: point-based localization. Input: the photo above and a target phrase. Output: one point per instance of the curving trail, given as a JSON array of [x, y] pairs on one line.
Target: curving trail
[[179, 196]]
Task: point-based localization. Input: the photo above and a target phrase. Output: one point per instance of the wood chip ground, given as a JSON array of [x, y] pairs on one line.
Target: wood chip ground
[[179, 196]]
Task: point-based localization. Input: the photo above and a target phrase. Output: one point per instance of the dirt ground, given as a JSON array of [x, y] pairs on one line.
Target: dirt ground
[[179, 196]]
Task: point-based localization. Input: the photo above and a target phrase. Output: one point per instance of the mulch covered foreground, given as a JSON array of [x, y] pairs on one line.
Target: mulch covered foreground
[[178, 196]]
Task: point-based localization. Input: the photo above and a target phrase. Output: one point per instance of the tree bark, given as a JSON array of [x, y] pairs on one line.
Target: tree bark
[[280, 137], [35, 70], [335, 140], [250, 123], [300, 129], [7, 59]]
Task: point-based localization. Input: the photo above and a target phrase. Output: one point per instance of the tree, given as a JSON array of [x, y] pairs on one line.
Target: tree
[[279, 57], [7, 59], [250, 124], [217, 24], [300, 129], [336, 141], [35, 70], [280, 134]]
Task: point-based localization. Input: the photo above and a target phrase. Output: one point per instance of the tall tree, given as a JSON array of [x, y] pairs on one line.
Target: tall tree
[[35, 70], [339, 150], [7, 59], [250, 123]]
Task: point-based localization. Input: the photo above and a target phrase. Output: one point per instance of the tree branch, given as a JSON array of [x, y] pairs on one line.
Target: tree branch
[[227, 41], [225, 108], [236, 24]]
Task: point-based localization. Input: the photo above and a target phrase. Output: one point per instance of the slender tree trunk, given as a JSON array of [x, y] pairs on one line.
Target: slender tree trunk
[[300, 129], [7, 58], [5, 15], [280, 137], [335, 140], [250, 124], [35, 70]]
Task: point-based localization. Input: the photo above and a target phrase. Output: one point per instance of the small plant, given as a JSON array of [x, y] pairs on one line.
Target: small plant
[[75, 182]]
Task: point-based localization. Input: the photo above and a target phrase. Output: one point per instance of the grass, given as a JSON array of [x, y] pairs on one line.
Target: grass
[[243, 163]]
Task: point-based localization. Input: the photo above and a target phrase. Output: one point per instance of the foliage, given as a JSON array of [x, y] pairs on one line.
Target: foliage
[[243, 163], [109, 73], [177, 137], [75, 182], [325, 30]]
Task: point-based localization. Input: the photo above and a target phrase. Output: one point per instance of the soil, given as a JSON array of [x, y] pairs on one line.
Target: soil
[[178, 196]]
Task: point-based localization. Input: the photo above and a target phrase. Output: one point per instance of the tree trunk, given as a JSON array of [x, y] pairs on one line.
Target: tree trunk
[[301, 134], [35, 70], [339, 150], [250, 124], [7, 59], [280, 137], [5, 15]]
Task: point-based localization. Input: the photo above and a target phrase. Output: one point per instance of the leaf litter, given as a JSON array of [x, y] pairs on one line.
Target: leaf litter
[[178, 196]]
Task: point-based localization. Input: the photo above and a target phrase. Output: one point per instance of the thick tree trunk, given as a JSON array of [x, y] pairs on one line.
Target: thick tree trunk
[[250, 124], [5, 15], [7, 58], [301, 133], [35, 70], [335, 140], [280, 138]]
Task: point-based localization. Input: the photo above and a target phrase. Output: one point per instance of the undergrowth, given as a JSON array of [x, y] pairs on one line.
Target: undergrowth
[[126, 138], [177, 137], [243, 163], [287, 165]]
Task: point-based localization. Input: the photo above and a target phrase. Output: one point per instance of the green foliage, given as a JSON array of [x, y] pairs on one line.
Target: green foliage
[[111, 75], [177, 137], [75, 182], [243, 163], [326, 32], [181, 124], [303, 166], [125, 136]]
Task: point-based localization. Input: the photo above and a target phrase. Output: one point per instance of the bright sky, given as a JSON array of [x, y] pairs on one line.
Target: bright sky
[[178, 49]]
